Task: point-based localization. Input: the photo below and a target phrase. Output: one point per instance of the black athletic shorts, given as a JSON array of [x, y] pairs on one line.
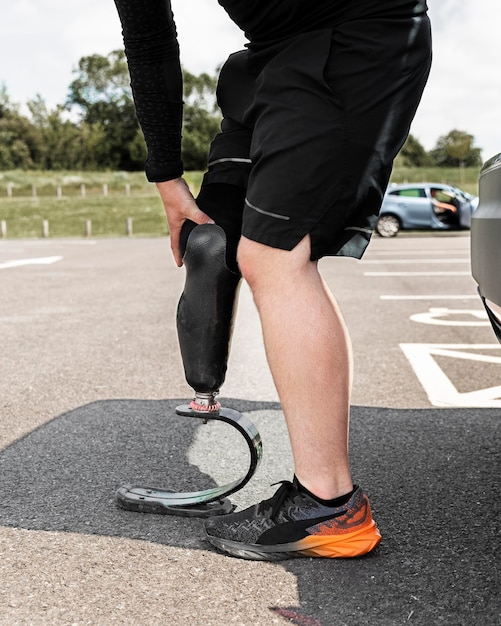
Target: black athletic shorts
[[311, 126]]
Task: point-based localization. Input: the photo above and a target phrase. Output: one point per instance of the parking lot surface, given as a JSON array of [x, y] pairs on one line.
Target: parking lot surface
[[90, 377]]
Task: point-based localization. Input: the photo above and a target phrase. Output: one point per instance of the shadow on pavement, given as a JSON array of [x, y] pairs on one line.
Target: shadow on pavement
[[432, 476], [63, 476]]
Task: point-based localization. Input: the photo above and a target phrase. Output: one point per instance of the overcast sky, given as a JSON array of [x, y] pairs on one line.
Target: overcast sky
[[41, 42]]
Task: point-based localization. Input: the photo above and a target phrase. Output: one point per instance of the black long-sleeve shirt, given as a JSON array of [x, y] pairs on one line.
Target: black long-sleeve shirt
[[152, 51]]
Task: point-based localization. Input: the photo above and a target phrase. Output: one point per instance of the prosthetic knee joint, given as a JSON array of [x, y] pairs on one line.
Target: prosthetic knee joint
[[205, 314]]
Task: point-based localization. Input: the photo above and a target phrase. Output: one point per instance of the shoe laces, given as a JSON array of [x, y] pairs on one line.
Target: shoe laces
[[275, 503]]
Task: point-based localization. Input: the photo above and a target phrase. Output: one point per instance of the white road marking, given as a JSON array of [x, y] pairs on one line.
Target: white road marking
[[45, 260], [440, 316], [430, 297], [410, 261], [417, 273], [465, 250], [440, 390]]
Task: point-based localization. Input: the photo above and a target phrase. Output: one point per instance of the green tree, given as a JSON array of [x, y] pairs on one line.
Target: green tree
[[97, 128], [15, 151], [101, 94], [456, 149], [137, 149], [201, 118], [5, 103], [19, 138], [64, 143], [413, 154]]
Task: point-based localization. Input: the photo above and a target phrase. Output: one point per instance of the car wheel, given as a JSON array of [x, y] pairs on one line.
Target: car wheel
[[388, 226]]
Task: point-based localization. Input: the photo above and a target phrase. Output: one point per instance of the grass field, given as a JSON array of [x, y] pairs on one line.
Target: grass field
[[112, 202], [116, 204]]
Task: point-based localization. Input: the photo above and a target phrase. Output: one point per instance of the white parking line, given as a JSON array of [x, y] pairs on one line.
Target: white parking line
[[410, 261], [417, 273], [437, 385], [45, 260], [431, 297], [420, 251], [442, 316]]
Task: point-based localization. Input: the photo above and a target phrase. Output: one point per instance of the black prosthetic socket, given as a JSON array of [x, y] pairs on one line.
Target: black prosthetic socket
[[206, 307], [224, 204], [205, 310]]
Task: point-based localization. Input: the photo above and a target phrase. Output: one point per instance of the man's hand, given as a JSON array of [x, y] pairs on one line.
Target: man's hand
[[179, 205]]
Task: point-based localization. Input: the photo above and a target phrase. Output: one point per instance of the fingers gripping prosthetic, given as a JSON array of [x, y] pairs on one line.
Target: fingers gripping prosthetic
[[205, 314]]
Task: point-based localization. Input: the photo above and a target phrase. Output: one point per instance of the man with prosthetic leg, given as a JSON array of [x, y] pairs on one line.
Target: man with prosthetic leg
[[314, 112]]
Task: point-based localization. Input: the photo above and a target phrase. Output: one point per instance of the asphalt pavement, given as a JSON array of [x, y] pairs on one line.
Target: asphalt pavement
[[90, 377]]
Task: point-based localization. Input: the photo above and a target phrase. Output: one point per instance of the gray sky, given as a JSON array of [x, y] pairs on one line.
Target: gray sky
[[41, 42]]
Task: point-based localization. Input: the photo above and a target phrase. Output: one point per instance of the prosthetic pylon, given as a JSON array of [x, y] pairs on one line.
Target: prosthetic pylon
[[204, 323]]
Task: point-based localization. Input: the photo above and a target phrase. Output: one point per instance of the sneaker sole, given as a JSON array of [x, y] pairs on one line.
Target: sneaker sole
[[349, 545]]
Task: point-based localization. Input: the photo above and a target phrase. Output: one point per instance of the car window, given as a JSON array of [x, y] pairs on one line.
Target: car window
[[442, 195], [412, 192], [462, 194]]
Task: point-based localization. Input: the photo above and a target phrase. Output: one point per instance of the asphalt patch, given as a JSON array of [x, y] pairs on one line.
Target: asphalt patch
[[432, 476]]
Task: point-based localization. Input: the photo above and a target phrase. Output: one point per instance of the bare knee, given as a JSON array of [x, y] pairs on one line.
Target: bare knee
[[251, 257], [262, 265]]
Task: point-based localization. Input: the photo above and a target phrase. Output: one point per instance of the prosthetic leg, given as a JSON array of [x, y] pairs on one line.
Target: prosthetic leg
[[204, 323], [205, 315]]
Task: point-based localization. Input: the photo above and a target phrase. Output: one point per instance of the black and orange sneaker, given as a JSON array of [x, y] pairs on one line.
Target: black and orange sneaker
[[293, 524]]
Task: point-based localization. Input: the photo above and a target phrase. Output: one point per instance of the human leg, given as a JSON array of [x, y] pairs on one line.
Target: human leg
[[321, 513], [321, 162], [308, 351], [319, 171]]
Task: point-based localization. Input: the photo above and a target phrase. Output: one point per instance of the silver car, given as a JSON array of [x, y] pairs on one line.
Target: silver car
[[425, 206], [486, 241]]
